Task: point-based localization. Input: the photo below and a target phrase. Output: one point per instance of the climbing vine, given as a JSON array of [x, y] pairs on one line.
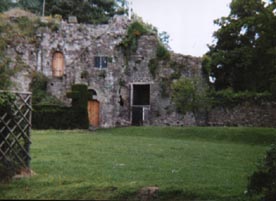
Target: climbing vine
[[15, 32], [134, 32]]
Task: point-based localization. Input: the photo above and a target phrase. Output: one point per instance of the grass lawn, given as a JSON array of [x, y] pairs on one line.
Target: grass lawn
[[185, 163]]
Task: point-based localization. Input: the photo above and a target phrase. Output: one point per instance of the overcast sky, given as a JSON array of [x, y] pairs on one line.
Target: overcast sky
[[188, 22]]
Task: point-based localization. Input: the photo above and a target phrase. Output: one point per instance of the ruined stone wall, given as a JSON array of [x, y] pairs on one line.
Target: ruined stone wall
[[244, 114], [80, 44], [164, 112]]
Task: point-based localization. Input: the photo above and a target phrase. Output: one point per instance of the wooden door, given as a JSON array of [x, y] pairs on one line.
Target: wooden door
[[93, 113], [58, 64]]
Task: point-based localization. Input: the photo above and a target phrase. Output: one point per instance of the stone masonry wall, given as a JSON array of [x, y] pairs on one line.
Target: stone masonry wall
[[80, 44], [244, 114]]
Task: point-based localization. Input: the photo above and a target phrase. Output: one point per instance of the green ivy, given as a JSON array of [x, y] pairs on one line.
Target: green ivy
[[19, 30], [38, 87], [134, 32], [228, 97], [162, 52], [153, 65], [165, 86], [176, 75], [5, 99]]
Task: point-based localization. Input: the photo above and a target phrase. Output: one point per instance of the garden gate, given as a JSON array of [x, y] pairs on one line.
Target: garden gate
[[15, 128]]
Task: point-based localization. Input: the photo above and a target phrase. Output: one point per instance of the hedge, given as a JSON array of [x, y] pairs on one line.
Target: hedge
[[60, 117]]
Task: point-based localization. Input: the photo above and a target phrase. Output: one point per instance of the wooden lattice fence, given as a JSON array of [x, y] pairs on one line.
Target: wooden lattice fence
[[15, 128]]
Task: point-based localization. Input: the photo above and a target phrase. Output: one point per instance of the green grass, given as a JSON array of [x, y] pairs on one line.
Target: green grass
[[185, 163]]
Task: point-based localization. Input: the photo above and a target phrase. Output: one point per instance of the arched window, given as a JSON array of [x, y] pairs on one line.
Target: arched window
[[58, 64]]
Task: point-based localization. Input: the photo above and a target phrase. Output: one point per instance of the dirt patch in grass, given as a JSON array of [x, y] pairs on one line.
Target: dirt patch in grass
[[24, 173]]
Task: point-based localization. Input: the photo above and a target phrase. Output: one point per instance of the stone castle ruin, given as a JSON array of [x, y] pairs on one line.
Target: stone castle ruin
[[125, 86], [122, 90]]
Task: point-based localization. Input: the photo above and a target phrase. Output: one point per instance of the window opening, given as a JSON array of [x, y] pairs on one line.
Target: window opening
[[101, 62], [141, 94], [58, 64]]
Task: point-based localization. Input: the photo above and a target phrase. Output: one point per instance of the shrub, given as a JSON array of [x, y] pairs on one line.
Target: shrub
[[134, 32], [229, 97], [153, 65], [175, 75], [190, 94], [262, 184], [5, 73], [162, 53], [38, 86], [57, 116]]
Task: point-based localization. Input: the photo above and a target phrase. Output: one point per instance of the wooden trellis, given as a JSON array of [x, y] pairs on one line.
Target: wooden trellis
[[15, 128]]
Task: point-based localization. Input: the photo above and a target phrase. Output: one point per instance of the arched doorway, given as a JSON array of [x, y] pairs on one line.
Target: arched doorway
[[58, 64], [93, 109]]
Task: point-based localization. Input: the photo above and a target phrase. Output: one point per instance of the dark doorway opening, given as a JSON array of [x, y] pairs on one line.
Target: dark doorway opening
[[140, 100], [137, 116]]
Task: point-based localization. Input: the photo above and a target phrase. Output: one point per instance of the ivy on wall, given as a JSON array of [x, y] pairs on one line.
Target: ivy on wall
[[134, 32], [16, 31]]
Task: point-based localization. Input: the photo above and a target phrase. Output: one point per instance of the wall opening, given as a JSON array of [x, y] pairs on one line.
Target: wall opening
[[58, 64], [140, 103], [141, 94]]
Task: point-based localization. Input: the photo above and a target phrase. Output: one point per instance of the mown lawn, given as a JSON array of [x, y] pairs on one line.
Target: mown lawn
[[185, 163]]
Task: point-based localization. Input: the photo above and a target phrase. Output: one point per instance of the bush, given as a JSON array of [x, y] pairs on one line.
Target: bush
[[189, 94], [162, 53], [57, 117], [229, 97], [38, 86], [262, 184], [153, 65], [134, 32], [53, 116]]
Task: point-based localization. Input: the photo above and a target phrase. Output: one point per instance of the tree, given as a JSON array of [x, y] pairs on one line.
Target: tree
[[5, 5], [31, 5], [165, 38], [244, 54], [87, 11], [190, 95]]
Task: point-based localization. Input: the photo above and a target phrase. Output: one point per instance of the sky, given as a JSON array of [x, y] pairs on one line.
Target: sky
[[189, 23]]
